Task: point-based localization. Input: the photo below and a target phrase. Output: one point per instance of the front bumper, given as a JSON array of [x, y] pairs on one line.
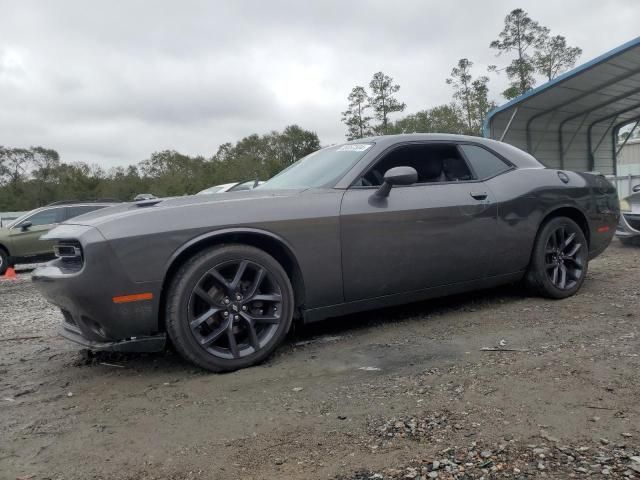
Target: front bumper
[[85, 295], [625, 228]]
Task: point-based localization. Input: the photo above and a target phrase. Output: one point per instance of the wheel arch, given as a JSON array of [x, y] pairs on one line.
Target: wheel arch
[[269, 242], [572, 212]]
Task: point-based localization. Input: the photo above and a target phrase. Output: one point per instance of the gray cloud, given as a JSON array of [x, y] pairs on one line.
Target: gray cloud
[[110, 82]]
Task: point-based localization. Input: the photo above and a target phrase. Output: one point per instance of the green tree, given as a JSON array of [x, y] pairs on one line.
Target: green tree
[[521, 35], [471, 95], [554, 56], [383, 101], [36, 176], [462, 82], [354, 117], [44, 162], [480, 95], [440, 119], [16, 162]]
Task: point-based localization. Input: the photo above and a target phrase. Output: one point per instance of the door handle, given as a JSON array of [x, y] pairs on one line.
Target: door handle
[[478, 195]]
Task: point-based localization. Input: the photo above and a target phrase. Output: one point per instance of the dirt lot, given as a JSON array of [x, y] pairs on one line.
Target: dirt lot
[[397, 393]]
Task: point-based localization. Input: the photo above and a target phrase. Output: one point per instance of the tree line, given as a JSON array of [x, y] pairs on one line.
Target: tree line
[[31, 177], [532, 51], [36, 176]]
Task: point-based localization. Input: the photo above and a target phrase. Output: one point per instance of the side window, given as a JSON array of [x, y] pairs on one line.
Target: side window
[[47, 217], [434, 162], [483, 162], [81, 210]]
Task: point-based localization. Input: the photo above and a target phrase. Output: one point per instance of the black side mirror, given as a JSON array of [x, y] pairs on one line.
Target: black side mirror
[[24, 226], [636, 189], [397, 176]]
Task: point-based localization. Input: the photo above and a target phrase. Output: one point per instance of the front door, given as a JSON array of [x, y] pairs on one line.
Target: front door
[[437, 232]]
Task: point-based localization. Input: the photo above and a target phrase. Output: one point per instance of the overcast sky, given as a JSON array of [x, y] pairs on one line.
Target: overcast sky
[[109, 82]]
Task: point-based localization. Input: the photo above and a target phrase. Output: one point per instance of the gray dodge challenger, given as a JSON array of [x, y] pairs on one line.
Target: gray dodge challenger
[[366, 224]]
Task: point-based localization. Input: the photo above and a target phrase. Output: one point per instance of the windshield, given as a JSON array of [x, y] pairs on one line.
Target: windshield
[[321, 168]]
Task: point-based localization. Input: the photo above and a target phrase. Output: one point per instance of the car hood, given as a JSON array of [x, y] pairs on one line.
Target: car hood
[[236, 199]]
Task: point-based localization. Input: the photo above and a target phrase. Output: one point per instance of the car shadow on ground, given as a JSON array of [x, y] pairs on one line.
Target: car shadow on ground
[[169, 361]]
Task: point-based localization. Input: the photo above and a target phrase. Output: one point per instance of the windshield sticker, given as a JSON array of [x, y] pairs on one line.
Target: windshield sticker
[[355, 147]]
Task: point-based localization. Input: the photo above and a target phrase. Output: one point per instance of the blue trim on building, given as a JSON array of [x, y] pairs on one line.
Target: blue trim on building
[[565, 76]]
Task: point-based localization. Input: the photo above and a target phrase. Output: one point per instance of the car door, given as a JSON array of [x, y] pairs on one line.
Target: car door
[[25, 240], [425, 235]]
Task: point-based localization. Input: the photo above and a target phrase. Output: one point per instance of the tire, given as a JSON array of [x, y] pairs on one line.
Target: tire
[[557, 255], [223, 320], [4, 261]]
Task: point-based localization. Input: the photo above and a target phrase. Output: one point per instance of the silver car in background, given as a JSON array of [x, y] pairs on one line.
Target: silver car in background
[[231, 187], [628, 230]]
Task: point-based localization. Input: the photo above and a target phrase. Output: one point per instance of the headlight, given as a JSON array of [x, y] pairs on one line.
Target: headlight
[[624, 206]]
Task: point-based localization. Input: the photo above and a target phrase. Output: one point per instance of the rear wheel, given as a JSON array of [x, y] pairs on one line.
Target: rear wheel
[[229, 307], [4, 261], [560, 259]]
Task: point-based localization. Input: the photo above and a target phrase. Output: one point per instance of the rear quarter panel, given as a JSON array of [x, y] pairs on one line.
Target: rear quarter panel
[[526, 196]]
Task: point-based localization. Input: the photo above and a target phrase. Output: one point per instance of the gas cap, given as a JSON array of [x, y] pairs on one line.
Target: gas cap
[[564, 177]]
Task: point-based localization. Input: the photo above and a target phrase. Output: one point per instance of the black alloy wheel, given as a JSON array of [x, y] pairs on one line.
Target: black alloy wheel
[[229, 307], [563, 260], [234, 309], [559, 260]]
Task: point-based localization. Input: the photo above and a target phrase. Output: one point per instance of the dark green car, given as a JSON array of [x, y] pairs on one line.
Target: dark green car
[[19, 241]]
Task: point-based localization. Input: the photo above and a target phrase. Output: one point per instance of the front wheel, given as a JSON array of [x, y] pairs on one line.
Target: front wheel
[[229, 307], [559, 260]]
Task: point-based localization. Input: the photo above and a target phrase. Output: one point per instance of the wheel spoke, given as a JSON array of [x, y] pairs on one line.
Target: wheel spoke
[[266, 319], [568, 240], [233, 345], [574, 250], [235, 283], [253, 336], [215, 335], [554, 277], [220, 279], [577, 262], [255, 285], [563, 277], [201, 293], [271, 297], [204, 317]]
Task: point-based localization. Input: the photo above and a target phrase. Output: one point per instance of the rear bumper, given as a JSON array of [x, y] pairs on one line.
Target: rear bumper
[[85, 295]]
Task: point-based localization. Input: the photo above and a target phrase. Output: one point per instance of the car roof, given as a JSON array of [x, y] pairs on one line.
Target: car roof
[[519, 157]]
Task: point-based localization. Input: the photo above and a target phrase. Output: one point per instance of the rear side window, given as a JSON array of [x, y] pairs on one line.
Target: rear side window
[[81, 210], [483, 162]]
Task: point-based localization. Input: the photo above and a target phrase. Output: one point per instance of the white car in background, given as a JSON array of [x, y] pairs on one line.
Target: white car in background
[[231, 187]]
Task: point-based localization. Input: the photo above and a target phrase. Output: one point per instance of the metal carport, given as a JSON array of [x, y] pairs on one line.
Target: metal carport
[[572, 122]]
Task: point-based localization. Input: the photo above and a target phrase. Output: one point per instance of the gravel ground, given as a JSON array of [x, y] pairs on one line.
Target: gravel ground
[[390, 394]]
